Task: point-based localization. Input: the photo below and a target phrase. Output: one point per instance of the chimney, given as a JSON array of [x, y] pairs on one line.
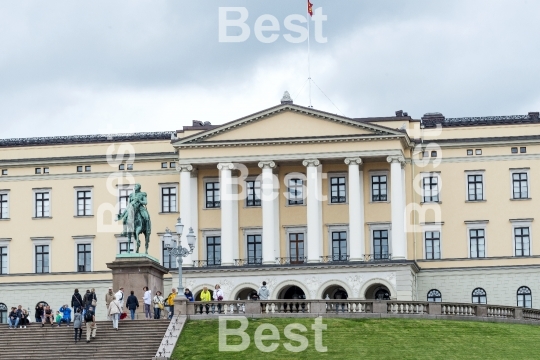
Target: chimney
[[534, 115], [286, 99], [399, 113], [197, 123]]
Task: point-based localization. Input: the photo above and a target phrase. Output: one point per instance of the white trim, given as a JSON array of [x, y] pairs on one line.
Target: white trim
[[477, 225], [5, 243], [516, 223], [205, 234], [122, 239], [168, 185], [379, 226], [34, 193], [338, 228], [252, 178], [37, 241], [520, 171], [84, 240], [424, 175], [76, 189], [344, 175], [295, 230], [432, 227], [475, 172], [379, 173], [6, 192], [295, 175], [251, 231], [211, 180]]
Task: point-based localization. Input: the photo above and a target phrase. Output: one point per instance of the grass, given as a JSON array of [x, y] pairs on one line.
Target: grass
[[373, 339]]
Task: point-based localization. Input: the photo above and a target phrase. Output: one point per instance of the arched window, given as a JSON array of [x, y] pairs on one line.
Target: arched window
[[479, 296], [524, 297], [434, 295], [3, 313]]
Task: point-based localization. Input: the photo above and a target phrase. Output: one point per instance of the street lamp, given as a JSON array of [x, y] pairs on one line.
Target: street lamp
[[175, 248]]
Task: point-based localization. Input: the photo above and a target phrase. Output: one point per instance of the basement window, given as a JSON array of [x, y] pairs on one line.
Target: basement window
[[79, 168], [523, 150], [514, 150], [4, 171], [478, 151], [469, 152]]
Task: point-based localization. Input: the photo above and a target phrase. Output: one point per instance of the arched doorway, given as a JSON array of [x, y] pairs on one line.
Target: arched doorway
[[378, 292], [246, 294], [335, 292], [292, 292], [3, 313]]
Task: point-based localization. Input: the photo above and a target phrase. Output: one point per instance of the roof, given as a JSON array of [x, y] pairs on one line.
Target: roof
[[431, 120], [85, 139]]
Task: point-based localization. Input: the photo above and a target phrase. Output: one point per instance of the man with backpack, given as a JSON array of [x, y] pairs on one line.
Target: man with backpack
[[91, 327]]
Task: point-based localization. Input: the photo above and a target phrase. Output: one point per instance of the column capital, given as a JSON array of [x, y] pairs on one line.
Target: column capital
[[353, 161], [267, 165], [184, 167], [225, 166], [396, 159], [311, 162]]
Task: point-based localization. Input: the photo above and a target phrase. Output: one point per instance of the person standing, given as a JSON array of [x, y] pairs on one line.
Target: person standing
[[93, 302], [170, 302], [158, 305], [188, 294], [263, 293], [218, 296], [115, 307], [91, 327], [77, 324], [206, 297], [76, 300], [109, 296], [147, 299], [132, 304], [13, 319], [39, 312]]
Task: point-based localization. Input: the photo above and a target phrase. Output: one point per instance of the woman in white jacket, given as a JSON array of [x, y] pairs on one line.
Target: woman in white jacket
[[218, 296], [115, 307]]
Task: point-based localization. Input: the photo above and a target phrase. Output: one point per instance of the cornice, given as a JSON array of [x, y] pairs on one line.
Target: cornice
[[91, 175]]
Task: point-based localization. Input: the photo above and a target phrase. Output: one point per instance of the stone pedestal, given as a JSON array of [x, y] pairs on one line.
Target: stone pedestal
[[135, 271]]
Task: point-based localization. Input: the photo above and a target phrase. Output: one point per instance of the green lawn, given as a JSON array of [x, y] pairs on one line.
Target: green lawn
[[373, 339]]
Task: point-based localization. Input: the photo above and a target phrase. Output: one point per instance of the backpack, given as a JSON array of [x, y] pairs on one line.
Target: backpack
[[89, 316]]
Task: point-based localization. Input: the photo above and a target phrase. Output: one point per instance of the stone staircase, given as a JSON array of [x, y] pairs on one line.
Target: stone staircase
[[137, 339]]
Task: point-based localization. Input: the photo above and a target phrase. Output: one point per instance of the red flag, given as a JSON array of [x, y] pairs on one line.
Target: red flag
[[309, 8]]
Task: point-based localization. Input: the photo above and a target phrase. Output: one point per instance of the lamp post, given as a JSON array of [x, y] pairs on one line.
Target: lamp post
[[175, 248]]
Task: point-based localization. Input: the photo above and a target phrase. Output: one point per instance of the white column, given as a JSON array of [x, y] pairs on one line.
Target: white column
[[268, 196], [399, 238], [227, 214], [356, 209], [314, 211], [195, 213], [186, 206]]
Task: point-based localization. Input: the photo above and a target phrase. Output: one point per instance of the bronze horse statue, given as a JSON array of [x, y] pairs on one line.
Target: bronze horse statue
[[136, 219]]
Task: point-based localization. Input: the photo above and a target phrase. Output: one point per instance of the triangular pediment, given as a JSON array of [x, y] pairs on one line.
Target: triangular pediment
[[288, 122]]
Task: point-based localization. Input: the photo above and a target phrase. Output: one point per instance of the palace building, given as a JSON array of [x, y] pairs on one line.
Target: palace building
[[316, 204]]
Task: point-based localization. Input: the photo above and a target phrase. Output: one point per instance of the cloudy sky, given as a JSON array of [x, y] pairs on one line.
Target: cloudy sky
[[86, 67]]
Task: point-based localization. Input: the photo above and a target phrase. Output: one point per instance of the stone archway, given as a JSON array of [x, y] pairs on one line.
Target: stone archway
[[370, 288], [243, 291], [281, 289], [198, 289], [378, 292], [334, 288]]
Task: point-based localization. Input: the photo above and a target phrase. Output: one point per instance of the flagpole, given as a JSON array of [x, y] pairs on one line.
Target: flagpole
[[308, 56]]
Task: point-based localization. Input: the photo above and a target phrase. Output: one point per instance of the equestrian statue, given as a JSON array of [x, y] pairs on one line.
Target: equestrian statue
[[136, 219]]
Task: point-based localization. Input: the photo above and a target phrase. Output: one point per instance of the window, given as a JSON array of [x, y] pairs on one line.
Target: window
[[84, 203], [254, 249], [123, 198], [42, 204], [522, 241], [430, 185], [339, 246], [296, 248], [79, 168], [4, 206], [523, 150], [434, 295], [42, 259], [478, 243], [84, 257], [169, 261], [524, 297], [469, 152], [380, 244], [379, 188], [121, 167], [478, 151], [433, 244], [520, 185], [514, 150], [479, 296], [425, 154], [172, 165], [337, 190], [168, 199], [433, 154], [213, 250], [3, 260], [212, 195], [296, 188], [88, 168], [45, 170], [4, 172], [163, 165], [38, 170], [3, 313], [130, 166], [123, 247], [475, 187], [253, 193]]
